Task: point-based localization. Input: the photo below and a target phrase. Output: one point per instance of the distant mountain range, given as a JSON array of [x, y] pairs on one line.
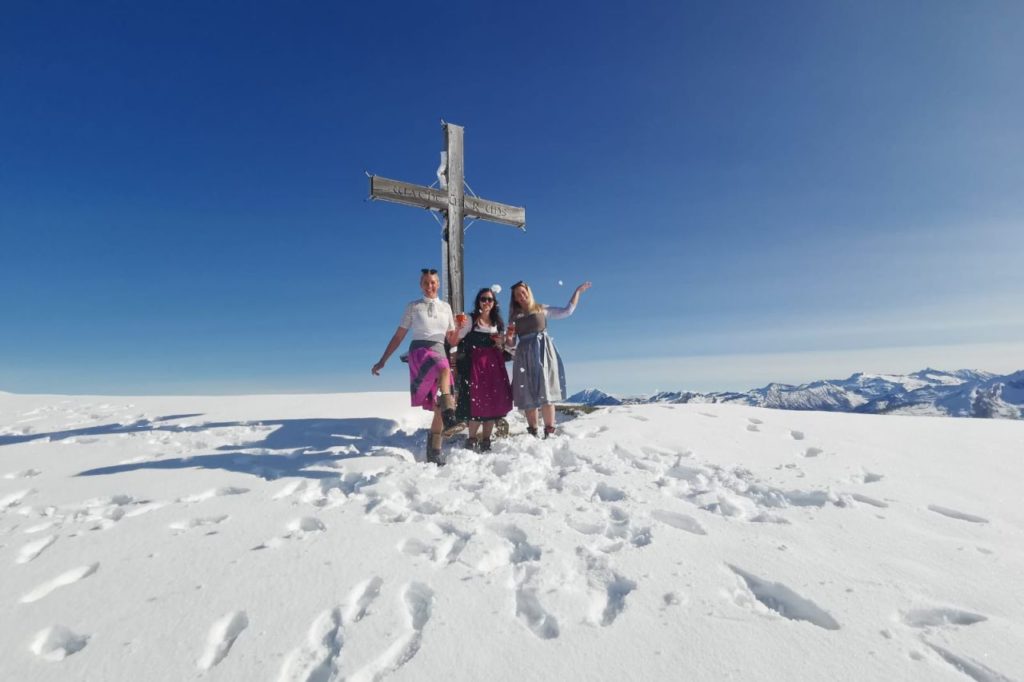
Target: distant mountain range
[[961, 393]]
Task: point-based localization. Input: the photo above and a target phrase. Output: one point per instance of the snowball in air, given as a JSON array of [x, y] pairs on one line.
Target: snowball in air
[[496, 288], [559, 282]]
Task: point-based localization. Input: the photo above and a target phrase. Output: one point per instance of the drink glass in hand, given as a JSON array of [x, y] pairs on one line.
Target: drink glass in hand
[[460, 320]]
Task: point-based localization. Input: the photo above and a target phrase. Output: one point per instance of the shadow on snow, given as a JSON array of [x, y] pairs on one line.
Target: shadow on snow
[[307, 443]]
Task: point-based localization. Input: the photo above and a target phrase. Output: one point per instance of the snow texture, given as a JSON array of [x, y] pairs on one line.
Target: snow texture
[[303, 538]]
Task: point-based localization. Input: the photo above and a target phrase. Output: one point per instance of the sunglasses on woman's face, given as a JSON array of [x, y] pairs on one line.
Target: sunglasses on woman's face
[[487, 299]]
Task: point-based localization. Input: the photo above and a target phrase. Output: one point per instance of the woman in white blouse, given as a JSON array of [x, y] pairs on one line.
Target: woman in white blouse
[[431, 322]]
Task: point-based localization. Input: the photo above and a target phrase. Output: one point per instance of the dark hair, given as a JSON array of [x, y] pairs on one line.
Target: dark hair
[[495, 309]]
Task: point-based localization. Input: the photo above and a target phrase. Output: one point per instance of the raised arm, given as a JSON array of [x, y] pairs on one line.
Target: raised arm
[[554, 313], [453, 335], [393, 344], [463, 331]]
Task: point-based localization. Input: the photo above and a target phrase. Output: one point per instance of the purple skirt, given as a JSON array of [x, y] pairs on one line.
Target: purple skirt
[[425, 367], [490, 393]]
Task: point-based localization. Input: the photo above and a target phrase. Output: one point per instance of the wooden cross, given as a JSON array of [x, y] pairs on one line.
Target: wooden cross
[[450, 200]]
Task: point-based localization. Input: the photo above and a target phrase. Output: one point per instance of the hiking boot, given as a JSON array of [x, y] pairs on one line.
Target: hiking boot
[[473, 444], [532, 430], [549, 431], [485, 445], [434, 454], [447, 404]]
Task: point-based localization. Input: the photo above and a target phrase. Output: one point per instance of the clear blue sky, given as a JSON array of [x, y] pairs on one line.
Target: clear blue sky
[[759, 191]]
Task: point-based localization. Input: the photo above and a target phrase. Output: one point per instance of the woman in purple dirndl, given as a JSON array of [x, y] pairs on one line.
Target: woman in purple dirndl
[[431, 322], [484, 391]]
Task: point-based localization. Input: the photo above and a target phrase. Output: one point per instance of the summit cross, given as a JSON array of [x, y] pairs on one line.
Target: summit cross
[[451, 201]]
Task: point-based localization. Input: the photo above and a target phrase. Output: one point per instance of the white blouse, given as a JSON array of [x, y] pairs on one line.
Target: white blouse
[[429, 319]]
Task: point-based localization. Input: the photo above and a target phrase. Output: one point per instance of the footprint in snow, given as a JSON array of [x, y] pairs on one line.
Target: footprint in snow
[[24, 473], [608, 588], [360, 599], [298, 529], [31, 550], [198, 522], [444, 549], [529, 610], [796, 435], [680, 521], [320, 657], [62, 580], [620, 529], [779, 599], [418, 600], [867, 477], [607, 493], [959, 515], [869, 500], [15, 498], [940, 617], [523, 558], [221, 637], [968, 666], [57, 642], [212, 493]]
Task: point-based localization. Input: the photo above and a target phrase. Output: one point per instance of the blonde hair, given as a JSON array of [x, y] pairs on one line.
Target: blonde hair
[[531, 305]]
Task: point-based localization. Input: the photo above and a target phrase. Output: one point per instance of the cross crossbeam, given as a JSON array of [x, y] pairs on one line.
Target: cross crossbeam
[[450, 200]]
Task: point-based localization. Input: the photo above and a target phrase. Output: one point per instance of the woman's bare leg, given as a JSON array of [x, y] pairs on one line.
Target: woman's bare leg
[[549, 415], [531, 417]]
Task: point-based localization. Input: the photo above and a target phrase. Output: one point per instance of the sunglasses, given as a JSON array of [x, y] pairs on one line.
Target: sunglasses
[[428, 271], [487, 299]]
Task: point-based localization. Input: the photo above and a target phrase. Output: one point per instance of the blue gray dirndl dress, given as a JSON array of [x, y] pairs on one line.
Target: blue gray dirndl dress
[[538, 375]]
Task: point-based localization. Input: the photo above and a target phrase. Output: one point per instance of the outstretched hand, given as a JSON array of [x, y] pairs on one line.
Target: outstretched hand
[[583, 287], [377, 368]]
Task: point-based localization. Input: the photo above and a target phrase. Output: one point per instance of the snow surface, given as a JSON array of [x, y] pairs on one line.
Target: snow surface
[[299, 538]]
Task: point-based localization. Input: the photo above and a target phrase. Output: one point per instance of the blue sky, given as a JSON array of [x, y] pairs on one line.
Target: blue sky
[[759, 191]]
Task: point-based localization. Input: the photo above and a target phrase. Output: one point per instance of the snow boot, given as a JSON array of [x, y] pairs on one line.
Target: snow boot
[[549, 431], [447, 403], [434, 455], [532, 430], [473, 444], [485, 445]]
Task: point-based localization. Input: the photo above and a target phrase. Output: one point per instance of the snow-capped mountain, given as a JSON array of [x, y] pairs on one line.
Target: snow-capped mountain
[[961, 393], [592, 396]]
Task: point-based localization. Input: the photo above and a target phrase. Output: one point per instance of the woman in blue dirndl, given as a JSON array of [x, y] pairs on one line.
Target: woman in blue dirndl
[[538, 374]]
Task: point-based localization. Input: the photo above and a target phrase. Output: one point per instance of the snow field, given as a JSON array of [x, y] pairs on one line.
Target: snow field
[[298, 538]]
